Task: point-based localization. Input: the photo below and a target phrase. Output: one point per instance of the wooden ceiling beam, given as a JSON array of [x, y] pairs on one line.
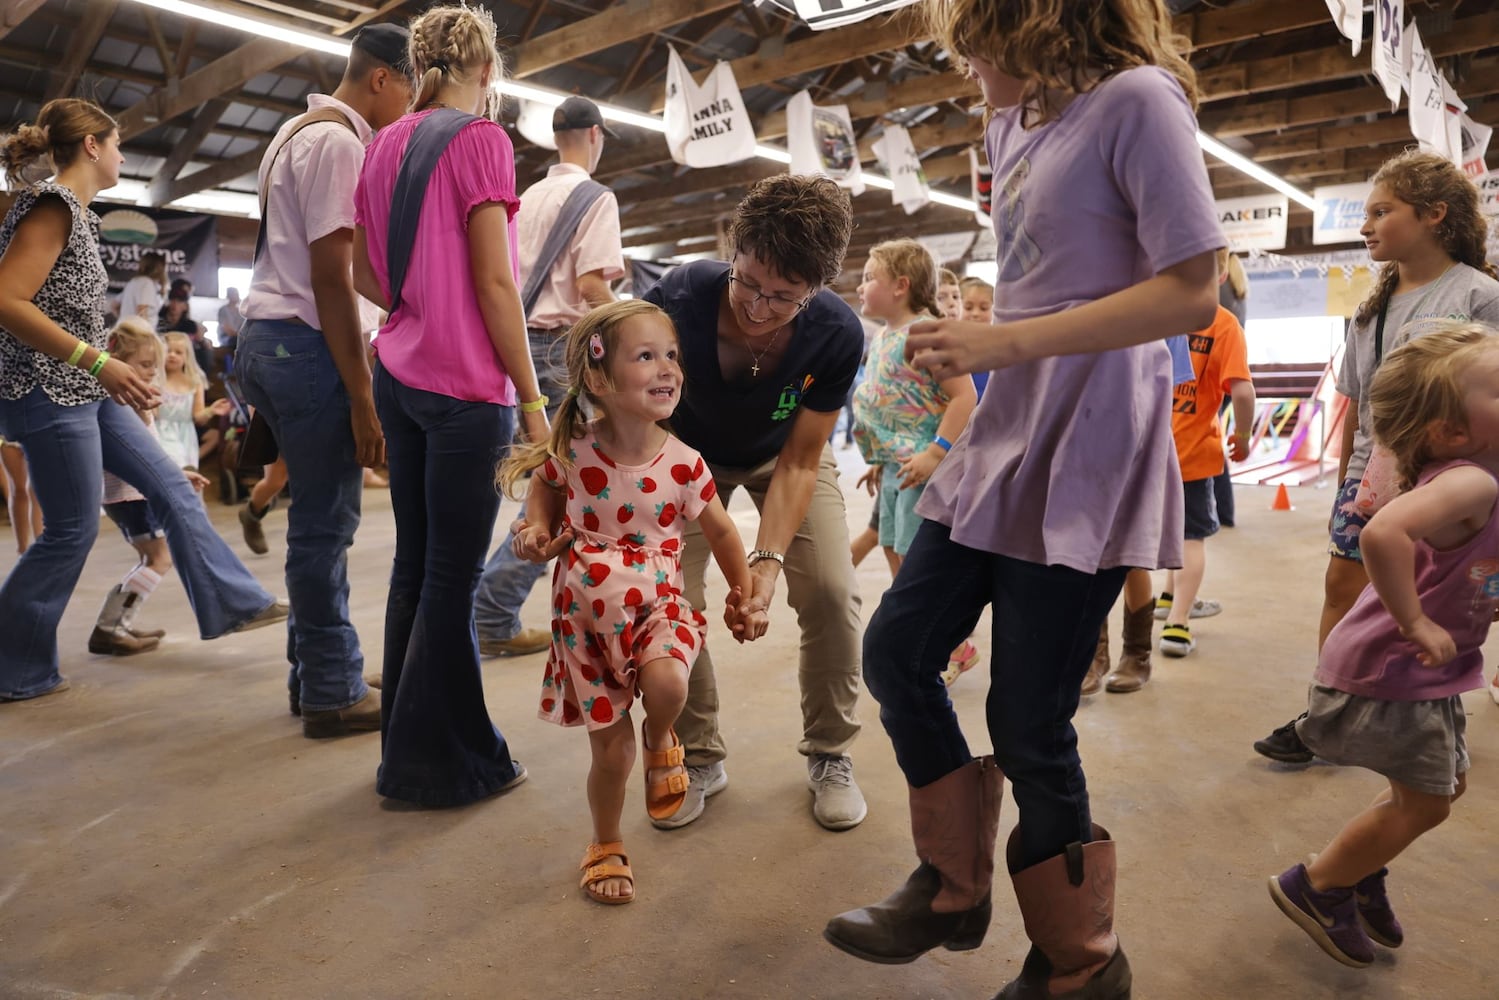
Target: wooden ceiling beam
[[85, 38], [1327, 138], [203, 123], [222, 76], [221, 172], [1247, 20], [14, 12], [616, 24]]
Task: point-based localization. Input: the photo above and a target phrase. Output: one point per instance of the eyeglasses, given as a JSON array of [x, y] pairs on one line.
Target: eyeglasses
[[778, 304]]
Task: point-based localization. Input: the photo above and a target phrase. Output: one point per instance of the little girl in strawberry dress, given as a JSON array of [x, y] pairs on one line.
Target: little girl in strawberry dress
[[610, 498]]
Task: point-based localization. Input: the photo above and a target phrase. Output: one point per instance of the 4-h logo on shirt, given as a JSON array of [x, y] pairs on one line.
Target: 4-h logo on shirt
[[791, 398]]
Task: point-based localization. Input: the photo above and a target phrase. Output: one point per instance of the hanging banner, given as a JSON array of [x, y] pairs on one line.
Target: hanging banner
[[1488, 204], [189, 242], [1348, 15], [898, 154], [1255, 222], [1391, 52], [1476, 138], [1339, 214], [535, 123], [982, 179], [947, 247], [821, 14], [821, 140], [1427, 104], [707, 125], [1453, 113]]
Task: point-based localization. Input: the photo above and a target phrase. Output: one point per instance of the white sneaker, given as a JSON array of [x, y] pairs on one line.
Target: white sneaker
[[1176, 640], [837, 804], [703, 782], [1205, 609]]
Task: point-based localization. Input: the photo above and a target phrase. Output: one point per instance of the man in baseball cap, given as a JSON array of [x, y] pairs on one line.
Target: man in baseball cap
[[386, 43], [579, 113]]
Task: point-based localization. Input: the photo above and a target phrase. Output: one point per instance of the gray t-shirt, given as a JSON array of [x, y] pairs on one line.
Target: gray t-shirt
[[1462, 293]]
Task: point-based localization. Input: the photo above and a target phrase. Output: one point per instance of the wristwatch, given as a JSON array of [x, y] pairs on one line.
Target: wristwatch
[[759, 554]]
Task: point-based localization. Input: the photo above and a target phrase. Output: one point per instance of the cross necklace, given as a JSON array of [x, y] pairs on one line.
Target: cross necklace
[[755, 367]]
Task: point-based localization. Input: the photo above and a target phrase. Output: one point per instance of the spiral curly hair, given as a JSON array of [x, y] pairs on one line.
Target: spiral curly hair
[[454, 42], [61, 126], [1424, 181], [910, 260], [1059, 45], [799, 226], [1420, 385], [579, 360]]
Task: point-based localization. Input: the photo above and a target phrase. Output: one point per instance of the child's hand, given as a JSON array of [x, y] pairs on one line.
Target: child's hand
[[220, 407], [197, 481], [535, 544], [1435, 643], [1238, 448], [869, 480], [747, 626], [917, 469]]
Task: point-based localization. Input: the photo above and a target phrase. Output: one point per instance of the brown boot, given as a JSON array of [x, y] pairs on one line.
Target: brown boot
[[1093, 683], [1067, 903], [361, 717], [118, 642], [954, 822], [1133, 671]]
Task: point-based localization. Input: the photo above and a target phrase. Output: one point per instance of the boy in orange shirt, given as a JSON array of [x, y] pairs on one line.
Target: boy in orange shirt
[[1220, 359]]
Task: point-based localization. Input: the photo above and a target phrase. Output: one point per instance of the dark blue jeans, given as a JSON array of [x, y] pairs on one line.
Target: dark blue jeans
[[438, 745], [1046, 622], [289, 377]]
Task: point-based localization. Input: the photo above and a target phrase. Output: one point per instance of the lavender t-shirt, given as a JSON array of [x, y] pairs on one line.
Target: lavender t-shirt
[[437, 340], [1069, 460]]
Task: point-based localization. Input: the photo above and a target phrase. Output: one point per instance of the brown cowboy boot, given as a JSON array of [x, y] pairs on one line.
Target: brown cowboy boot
[[954, 822], [1133, 671], [1093, 682], [1067, 903], [111, 636]]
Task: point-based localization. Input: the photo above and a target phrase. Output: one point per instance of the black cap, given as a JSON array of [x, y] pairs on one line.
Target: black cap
[[579, 112], [388, 43]]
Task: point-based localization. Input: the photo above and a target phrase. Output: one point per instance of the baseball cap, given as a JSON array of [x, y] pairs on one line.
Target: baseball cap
[[579, 112], [386, 42]]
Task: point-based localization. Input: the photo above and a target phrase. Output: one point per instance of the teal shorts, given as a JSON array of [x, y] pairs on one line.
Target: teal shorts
[[898, 517]]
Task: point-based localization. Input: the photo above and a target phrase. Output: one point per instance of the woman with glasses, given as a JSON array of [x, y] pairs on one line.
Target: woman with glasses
[[770, 355]]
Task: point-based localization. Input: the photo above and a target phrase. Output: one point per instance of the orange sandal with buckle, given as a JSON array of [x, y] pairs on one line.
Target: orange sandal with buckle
[[663, 798], [596, 870]]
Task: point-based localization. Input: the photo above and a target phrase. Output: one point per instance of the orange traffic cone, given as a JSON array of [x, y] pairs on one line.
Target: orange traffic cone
[[1282, 499]]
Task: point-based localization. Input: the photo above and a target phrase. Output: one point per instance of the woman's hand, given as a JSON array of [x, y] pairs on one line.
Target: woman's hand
[[951, 347], [126, 387]]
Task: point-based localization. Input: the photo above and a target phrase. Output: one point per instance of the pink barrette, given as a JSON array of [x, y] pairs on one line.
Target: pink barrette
[[596, 347]]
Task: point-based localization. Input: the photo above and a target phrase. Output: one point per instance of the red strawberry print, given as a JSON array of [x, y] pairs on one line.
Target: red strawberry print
[[590, 519], [626, 511], [598, 608], [646, 485], [602, 457], [600, 709], [597, 573], [710, 490], [664, 589], [569, 713], [547, 704], [666, 513], [682, 473], [685, 634], [678, 654], [634, 598], [672, 611], [589, 671], [671, 545], [595, 481]]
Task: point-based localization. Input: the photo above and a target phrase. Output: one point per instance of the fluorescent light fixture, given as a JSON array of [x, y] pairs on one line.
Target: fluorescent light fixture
[[1245, 165], [638, 119]]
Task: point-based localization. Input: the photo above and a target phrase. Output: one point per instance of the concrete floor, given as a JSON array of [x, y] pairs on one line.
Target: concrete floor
[[169, 833]]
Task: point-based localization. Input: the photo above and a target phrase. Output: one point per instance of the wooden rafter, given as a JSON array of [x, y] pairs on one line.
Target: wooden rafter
[[85, 38], [14, 12], [182, 152], [618, 23]]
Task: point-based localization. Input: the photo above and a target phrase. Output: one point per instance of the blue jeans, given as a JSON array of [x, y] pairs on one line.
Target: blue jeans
[[438, 745], [289, 377], [67, 449], [1046, 622], [507, 579]]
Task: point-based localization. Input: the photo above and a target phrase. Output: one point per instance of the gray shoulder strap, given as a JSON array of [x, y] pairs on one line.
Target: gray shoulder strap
[[423, 151], [578, 202]]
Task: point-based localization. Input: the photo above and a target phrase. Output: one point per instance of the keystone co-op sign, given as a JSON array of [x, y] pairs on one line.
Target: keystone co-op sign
[[1254, 223]]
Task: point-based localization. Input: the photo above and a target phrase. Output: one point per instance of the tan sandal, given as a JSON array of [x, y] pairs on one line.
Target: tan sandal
[[663, 798], [596, 870]]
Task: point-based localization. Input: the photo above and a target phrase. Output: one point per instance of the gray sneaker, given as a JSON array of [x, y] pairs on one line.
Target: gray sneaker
[[838, 804], [703, 782]]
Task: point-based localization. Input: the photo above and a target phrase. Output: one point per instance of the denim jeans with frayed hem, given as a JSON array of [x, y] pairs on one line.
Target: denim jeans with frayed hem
[[438, 745], [289, 377], [67, 450], [1046, 622]]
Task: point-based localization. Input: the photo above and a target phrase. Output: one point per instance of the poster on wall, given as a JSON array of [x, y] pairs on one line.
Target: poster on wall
[[1257, 222], [706, 125], [1391, 53], [821, 140], [820, 14], [1339, 214], [190, 243]]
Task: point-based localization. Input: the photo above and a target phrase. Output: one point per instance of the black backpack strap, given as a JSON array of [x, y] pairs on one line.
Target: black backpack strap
[[579, 200], [310, 118], [423, 151]]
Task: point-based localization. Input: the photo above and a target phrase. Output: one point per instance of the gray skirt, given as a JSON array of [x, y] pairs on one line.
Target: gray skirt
[[1420, 744]]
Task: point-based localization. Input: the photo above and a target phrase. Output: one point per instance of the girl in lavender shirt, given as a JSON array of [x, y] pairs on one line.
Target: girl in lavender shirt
[[1387, 687], [1064, 478]]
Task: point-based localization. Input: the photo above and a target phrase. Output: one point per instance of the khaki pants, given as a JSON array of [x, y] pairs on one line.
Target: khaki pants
[[820, 586]]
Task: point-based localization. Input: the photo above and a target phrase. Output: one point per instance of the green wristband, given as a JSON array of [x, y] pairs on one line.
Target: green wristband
[[77, 353], [98, 365]]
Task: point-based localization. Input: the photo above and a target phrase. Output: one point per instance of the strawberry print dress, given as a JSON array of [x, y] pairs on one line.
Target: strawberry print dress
[[617, 594]]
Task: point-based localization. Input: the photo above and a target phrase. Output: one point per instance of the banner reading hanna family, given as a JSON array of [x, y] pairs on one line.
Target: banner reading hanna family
[[190, 243], [707, 125]]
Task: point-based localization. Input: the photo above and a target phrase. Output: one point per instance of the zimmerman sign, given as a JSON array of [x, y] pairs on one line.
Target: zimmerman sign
[[1340, 213], [1254, 223]]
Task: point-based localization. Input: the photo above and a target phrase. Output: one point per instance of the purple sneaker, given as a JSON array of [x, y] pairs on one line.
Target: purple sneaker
[[1329, 918], [1374, 911]]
